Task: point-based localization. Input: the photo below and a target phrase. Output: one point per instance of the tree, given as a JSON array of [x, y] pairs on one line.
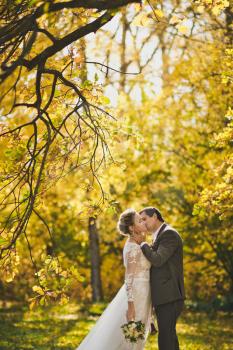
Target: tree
[[40, 74]]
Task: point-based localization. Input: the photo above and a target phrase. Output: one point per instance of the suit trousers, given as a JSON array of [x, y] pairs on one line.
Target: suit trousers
[[167, 315]]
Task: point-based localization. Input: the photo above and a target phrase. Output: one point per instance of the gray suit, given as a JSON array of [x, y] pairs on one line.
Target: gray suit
[[167, 283]]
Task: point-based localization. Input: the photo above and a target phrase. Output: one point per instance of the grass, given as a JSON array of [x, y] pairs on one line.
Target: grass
[[63, 328]]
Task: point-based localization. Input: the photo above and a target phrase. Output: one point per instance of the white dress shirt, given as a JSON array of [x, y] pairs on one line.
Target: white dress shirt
[[154, 235]]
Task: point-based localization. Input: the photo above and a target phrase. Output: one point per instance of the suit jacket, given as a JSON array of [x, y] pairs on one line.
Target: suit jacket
[[166, 273]]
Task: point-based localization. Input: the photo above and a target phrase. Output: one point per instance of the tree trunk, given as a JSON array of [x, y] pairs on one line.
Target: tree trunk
[[95, 260], [123, 49], [96, 283], [229, 21]]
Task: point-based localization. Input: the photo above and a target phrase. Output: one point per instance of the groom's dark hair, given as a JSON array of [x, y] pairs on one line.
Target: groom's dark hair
[[150, 211]]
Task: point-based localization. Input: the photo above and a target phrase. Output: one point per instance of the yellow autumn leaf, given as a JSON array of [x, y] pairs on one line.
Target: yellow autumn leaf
[[201, 9], [64, 273], [174, 20], [216, 10], [159, 13], [78, 59], [32, 304], [137, 7], [38, 290], [141, 20], [225, 80], [64, 300], [9, 279], [182, 29]]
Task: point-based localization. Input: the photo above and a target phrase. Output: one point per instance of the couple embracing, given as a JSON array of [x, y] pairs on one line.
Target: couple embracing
[[154, 283]]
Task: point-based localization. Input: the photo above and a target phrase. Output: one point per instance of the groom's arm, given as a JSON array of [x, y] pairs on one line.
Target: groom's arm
[[167, 246]]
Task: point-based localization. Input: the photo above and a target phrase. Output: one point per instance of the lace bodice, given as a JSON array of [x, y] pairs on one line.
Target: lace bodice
[[136, 267]]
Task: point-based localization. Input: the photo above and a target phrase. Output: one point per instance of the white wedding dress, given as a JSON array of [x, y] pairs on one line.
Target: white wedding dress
[[107, 333]]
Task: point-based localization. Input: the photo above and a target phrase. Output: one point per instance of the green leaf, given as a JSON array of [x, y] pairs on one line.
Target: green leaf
[[3, 241]]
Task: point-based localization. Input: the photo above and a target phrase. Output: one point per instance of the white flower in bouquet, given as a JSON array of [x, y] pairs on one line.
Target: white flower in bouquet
[[133, 331]]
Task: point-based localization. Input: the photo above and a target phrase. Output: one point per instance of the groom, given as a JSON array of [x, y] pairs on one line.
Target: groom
[[166, 275]]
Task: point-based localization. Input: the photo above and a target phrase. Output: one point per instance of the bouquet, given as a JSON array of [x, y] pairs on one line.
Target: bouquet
[[133, 331]]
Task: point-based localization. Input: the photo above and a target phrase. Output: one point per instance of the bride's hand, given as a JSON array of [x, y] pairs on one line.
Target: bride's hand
[[130, 314]]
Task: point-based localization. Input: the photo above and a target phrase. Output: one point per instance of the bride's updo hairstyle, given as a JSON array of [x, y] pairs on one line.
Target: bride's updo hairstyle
[[125, 221]]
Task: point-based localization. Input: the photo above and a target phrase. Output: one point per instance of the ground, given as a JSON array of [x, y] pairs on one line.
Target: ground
[[63, 327]]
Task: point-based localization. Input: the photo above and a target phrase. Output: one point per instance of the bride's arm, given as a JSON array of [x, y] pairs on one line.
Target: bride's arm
[[130, 271]]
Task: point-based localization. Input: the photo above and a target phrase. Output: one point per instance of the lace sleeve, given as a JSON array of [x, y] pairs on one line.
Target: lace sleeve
[[132, 258]]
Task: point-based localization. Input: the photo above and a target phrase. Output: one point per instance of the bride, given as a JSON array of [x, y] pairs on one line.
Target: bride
[[133, 300]]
